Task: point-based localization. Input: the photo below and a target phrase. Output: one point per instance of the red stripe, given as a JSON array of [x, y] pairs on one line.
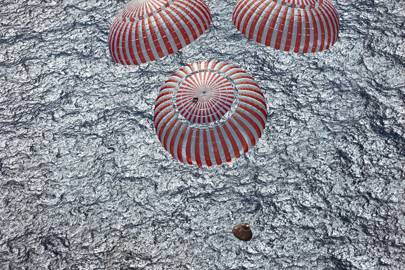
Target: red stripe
[[333, 22], [121, 44], [206, 149], [180, 144], [245, 146], [195, 32], [299, 31], [124, 44], [115, 41], [161, 101], [281, 29], [215, 147], [204, 11], [180, 27], [263, 23], [168, 131], [328, 27], [138, 45], [197, 149], [290, 30], [255, 114], [235, 148], [249, 15], [162, 34], [173, 34], [254, 22], [155, 38], [224, 145], [194, 16], [241, 14], [261, 100], [164, 124], [148, 46], [315, 29], [173, 139], [161, 117], [112, 42], [321, 22], [188, 146], [247, 118], [184, 19], [239, 6], [272, 24], [241, 118], [131, 49]]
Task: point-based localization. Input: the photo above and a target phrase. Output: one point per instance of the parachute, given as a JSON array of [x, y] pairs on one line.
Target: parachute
[[147, 30], [300, 26], [208, 113]]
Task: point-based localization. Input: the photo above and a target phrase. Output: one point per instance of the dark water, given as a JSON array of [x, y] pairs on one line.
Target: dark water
[[85, 184]]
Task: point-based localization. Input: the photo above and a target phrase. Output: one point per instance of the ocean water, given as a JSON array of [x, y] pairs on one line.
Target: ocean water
[[85, 183]]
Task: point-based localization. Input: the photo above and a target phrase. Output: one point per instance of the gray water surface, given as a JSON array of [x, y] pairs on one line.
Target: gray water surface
[[85, 183]]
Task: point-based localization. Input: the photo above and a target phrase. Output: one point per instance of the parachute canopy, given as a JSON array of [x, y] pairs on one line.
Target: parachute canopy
[[147, 30], [300, 26], [208, 113]]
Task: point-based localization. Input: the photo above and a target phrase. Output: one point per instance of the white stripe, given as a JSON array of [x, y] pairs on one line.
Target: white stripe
[[261, 18], [123, 44], [255, 102], [184, 145], [176, 29], [220, 147], [234, 135], [211, 147], [167, 32], [162, 104], [177, 139], [246, 122], [277, 26], [227, 141], [197, 16], [332, 23], [285, 30], [303, 31], [150, 39], [241, 130], [185, 24], [242, 12], [112, 40], [171, 134], [127, 36], [192, 146], [294, 33], [245, 17], [172, 118], [325, 27], [267, 26], [160, 116], [252, 18], [253, 119], [142, 42], [159, 36], [311, 31], [201, 146], [318, 26], [116, 42], [134, 43], [204, 14]]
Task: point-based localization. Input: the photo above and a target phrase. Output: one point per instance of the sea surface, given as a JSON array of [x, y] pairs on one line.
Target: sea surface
[[85, 183]]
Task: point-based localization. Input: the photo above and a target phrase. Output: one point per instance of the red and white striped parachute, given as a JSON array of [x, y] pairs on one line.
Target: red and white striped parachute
[[147, 30], [208, 113], [289, 25]]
